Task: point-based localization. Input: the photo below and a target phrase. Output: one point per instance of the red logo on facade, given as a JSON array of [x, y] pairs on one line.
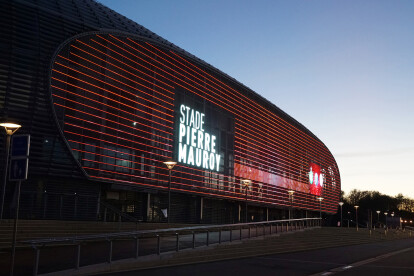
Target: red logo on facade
[[316, 179]]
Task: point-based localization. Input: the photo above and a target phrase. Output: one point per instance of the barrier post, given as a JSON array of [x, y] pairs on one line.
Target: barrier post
[[193, 240], [36, 264], [177, 245], [220, 236], [208, 236], [241, 232], [110, 251], [136, 247], [158, 245], [77, 261]]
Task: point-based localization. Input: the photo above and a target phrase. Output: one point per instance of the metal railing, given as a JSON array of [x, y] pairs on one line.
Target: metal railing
[[158, 241], [121, 215]]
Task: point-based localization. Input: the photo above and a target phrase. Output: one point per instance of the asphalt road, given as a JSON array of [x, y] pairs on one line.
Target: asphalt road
[[385, 258]]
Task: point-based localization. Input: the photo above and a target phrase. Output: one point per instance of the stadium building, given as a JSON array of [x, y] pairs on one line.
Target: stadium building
[[106, 102]]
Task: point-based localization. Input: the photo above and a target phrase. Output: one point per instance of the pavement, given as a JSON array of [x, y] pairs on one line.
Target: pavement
[[381, 258]]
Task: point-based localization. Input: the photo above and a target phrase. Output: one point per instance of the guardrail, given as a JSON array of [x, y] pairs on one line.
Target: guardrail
[[175, 239]]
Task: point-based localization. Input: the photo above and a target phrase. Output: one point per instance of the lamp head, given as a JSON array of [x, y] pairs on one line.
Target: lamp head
[[319, 198], [341, 203], [10, 127], [291, 192], [170, 164], [356, 206], [246, 182]]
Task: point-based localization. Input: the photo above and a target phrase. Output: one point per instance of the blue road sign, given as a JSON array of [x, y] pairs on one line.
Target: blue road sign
[[18, 169], [20, 145]]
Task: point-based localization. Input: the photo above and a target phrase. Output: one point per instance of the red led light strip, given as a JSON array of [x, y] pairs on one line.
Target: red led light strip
[[111, 99], [113, 136], [291, 153], [110, 106], [141, 72], [127, 126], [118, 81], [114, 93]]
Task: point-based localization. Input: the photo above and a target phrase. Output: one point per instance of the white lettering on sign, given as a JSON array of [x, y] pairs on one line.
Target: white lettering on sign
[[196, 147]]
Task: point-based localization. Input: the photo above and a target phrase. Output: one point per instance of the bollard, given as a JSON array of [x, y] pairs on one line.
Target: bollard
[[270, 230], [158, 245], [193, 240], [77, 262], [36, 264], [177, 244], [208, 237], [220, 236], [136, 247], [110, 251], [240, 233]]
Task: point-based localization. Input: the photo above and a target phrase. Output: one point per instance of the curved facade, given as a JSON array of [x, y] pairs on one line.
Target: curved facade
[[109, 101]]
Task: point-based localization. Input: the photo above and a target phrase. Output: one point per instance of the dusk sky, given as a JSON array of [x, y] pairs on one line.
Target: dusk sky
[[344, 69]]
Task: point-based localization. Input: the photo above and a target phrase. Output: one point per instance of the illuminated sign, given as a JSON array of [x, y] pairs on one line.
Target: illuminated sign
[[196, 146], [316, 179]]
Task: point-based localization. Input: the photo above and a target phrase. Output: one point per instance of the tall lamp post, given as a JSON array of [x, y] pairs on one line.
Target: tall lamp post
[[170, 165], [320, 207], [246, 184], [378, 212], [290, 192], [386, 214], [356, 216], [10, 130], [340, 204], [392, 220]]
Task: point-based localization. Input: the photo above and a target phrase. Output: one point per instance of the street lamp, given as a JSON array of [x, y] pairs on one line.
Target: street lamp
[[385, 213], [10, 130], [246, 184], [320, 207], [378, 212], [290, 192], [340, 204], [170, 165], [356, 216]]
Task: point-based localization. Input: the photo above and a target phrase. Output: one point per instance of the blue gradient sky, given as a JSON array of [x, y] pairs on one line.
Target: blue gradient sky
[[344, 69]]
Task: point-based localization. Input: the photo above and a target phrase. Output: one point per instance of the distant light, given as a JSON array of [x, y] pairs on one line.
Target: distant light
[[134, 123]]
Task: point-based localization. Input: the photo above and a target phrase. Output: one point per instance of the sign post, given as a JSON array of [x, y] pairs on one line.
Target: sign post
[[19, 165]]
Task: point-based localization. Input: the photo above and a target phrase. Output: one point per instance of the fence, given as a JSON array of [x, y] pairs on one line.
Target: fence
[[146, 242]]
